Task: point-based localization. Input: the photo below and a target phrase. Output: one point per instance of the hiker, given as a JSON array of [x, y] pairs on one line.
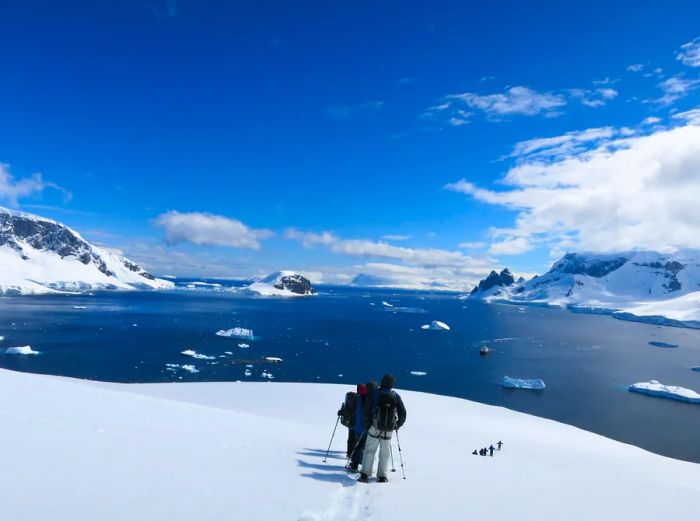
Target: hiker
[[491, 449], [475, 453], [350, 414], [357, 435], [384, 413], [500, 443]]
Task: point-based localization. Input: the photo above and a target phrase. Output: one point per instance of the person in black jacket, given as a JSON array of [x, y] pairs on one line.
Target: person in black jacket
[[384, 412]]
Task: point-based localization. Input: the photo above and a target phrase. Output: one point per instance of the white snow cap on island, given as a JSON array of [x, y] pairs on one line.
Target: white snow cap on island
[[284, 283], [39, 255], [436, 325], [229, 437], [655, 388]]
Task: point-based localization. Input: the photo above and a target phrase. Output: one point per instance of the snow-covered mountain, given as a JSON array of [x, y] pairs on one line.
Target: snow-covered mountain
[[648, 286], [283, 284], [38, 255]]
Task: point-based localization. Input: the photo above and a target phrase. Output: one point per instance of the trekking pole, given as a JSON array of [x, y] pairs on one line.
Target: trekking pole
[[398, 443], [391, 451], [331, 442], [357, 444]]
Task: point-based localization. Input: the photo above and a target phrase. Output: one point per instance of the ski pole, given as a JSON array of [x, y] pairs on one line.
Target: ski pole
[[357, 444], [331, 442], [398, 443]]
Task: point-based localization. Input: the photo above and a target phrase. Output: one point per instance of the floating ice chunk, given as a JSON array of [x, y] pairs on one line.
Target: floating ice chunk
[[79, 307], [266, 374], [21, 350], [385, 303], [436, 325], [2, 338], [371, 303], [247, 372], [662, 344], [236, 332], [185, 367], [273, 359], [654, 388], [244, 346], [418, 373], [228, 352], [536, 384], [195, 354]]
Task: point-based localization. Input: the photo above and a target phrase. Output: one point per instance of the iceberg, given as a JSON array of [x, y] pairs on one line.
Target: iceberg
[[536, 384], [185, 367], [236, 332], [243, 346], [195, 354], [436, 325], [21, 350], [654, 343], [418, 373], [2, 338], [386, 304], [655, 388], [273, 359]]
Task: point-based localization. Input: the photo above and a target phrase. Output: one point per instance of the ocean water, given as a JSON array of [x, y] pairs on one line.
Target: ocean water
[[348, 335]]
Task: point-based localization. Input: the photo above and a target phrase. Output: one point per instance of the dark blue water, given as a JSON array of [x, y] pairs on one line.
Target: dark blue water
[[587, 361]]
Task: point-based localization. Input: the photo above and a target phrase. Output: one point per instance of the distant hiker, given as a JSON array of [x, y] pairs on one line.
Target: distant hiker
[[475, 453], [384, 413], [491, 449], [500, 443]]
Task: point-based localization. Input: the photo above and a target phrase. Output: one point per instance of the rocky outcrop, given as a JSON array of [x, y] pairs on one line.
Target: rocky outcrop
[[505, 278]]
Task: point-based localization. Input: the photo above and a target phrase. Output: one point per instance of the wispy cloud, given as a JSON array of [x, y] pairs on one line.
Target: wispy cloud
[[391, 237], [690, 53], [516, 100], [635, 67], [675, 88], [594, 97], [692, 117], [341, 112], [12, 190], [599, 199], [204, 229]]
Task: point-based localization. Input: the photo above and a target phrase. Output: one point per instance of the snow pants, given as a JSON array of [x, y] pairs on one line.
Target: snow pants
[[377, 440]]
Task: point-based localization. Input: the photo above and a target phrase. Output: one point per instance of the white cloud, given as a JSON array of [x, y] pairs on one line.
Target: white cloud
[[675, 88], [513, 246], [651, 120], [204, 229], [692, 117], [625, 193], [476, 245], [564, 145], [391, 237], [515, 100], [690, 53], [635, 67], [12, 190], [310, 239], [417, 277], [593, 97]]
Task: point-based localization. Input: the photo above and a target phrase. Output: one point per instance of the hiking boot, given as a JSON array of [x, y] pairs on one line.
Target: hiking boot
[[363, 478], [382, 479], [352, 467]]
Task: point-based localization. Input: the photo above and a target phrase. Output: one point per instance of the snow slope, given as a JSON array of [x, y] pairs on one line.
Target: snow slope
[[76, 450], [645, 286], [38, 255]]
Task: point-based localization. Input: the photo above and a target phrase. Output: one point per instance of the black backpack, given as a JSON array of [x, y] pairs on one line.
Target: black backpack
[[348, 409], [385, 417]]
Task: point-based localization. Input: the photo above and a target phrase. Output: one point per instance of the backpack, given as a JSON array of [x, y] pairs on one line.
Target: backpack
[[347, 410], [385, 417]]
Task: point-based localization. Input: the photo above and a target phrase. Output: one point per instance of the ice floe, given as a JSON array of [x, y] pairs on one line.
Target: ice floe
[[386, 304], [536, 384], [267, 374], [654, 343], [236, 332], [20, 350], [436, 325], [195, 354], [273, 359], [244, 346], [79, 307], [418, 373], [185, 367], [655, 388]]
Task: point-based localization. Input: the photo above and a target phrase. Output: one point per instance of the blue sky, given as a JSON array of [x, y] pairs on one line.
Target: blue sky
[[224, 138]]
